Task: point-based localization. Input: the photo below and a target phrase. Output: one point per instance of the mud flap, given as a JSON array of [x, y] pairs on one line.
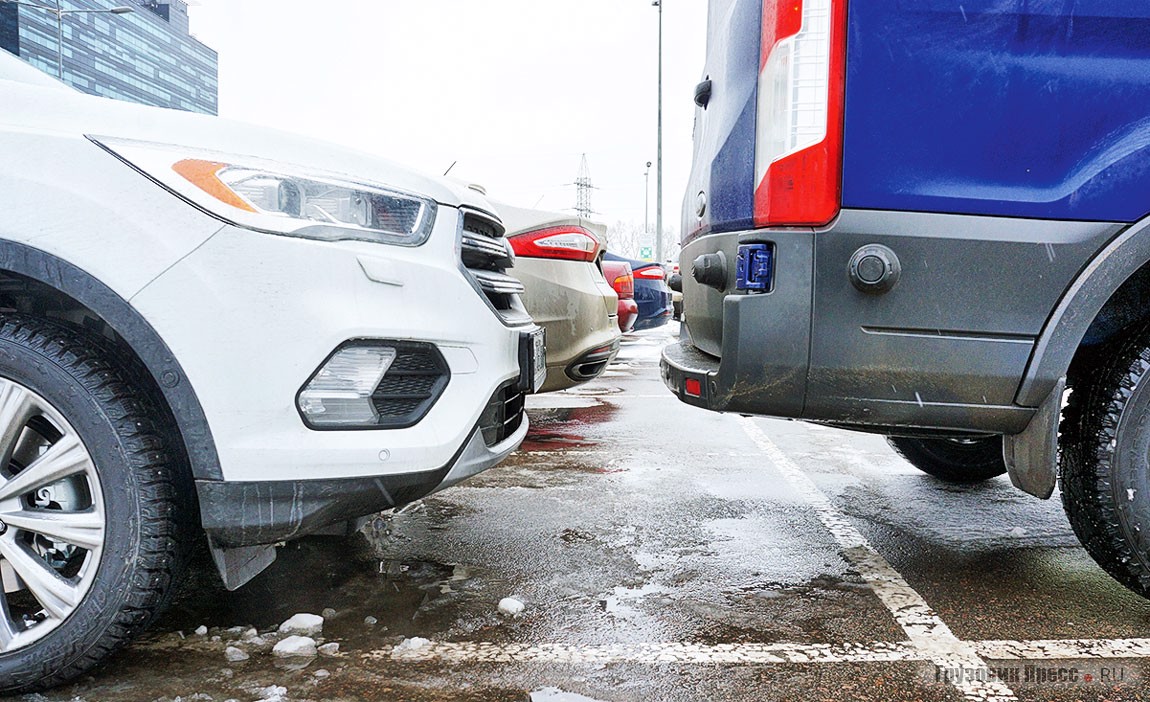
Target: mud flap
[[1032, 456], [237, 566]]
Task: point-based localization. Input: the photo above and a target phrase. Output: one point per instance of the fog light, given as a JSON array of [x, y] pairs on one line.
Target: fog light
[[339, 394]]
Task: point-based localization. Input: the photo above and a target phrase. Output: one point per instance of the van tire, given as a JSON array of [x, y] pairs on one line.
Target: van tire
[[1104, 465], [953, 460]]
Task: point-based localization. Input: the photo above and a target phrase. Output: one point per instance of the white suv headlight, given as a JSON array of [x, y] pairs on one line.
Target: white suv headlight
[[278, 198]]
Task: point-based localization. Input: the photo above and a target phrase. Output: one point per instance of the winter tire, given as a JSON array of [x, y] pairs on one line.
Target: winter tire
[[90, 535], [1104, 468], [953, 460]]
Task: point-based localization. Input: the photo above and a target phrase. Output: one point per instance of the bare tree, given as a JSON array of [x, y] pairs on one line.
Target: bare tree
[[627, 238]]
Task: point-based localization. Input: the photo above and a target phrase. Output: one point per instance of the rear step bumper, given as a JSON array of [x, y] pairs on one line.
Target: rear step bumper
[[681, 363]]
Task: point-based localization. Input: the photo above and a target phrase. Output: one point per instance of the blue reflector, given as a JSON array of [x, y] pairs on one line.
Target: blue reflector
[[754, 269]]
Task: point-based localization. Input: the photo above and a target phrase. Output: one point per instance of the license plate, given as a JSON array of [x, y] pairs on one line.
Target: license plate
[[532, 360]]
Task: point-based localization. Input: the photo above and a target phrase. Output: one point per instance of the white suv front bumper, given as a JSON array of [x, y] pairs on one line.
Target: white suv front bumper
[[251, 316]]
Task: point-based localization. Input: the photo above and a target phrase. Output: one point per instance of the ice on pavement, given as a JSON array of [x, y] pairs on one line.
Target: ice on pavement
[[295, 646], [511, 606], [303, 625], [408, 646], [272, 693]]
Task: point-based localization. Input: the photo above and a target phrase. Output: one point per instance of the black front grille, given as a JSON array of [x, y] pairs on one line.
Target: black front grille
[[503, 415], [411, 385], [487, 256]]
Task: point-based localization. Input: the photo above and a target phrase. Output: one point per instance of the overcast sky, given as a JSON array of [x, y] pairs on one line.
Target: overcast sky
[[514, 90]]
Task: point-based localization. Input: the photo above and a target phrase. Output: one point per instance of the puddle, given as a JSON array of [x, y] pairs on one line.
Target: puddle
[[619, 603], [593, 390], [320, 574], [561, 428]]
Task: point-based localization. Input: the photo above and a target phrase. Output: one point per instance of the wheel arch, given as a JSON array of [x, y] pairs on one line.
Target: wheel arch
[[55, 280], [1101, 301]]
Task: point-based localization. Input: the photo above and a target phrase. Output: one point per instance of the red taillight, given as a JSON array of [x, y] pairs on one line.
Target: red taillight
[[799, 137], [565, 243], [693, 387], [652, 273]]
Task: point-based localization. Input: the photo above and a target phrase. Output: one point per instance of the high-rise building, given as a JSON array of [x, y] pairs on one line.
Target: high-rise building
[[147, 56]]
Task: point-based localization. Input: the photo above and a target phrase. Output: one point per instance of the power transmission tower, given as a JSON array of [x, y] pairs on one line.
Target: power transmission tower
[[583, 190]]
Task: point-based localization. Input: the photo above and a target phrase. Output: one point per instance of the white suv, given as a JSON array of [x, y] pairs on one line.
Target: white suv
[[210, 324]]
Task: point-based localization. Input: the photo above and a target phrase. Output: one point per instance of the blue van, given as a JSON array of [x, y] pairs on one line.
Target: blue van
[[929, 220]]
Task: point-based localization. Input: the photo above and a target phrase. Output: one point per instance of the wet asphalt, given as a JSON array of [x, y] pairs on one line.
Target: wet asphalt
[[630, 519]]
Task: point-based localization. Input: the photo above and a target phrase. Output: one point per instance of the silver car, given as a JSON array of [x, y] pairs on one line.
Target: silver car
[[558, 259]]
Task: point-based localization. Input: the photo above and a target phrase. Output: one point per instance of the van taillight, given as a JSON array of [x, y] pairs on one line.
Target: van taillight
[[799, 135]]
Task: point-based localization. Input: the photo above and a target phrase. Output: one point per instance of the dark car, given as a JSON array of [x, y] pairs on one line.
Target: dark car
[[651, 292]]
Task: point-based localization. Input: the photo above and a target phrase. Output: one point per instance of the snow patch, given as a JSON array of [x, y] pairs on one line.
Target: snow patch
[[272, 693], [235, 655], [295, 646], [511, 607], [410, 646], [303, 625]]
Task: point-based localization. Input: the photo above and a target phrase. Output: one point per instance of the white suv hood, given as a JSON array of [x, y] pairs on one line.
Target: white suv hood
[[52, 107]]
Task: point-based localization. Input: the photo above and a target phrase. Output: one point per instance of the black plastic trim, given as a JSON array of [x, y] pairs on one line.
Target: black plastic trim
[[130, 325], [512, 318], [1078, 308], [238, 514]]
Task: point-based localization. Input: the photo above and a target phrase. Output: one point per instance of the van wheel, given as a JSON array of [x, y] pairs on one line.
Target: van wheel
[[90, 535], [1104, 467], [953, 460]]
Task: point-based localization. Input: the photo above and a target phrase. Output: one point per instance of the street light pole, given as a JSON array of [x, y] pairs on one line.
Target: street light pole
[[59, 13], [647, 201], [59, 41], [659, 156]]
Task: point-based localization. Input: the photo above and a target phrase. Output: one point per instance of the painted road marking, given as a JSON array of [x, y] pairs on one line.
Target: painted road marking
[[1063, 649], [923, 627], [653, 653], [758, 653]]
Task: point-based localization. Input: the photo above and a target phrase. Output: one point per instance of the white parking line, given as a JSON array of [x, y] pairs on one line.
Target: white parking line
[[759, 653], [923, 627], [654, 653], [1064, 649]]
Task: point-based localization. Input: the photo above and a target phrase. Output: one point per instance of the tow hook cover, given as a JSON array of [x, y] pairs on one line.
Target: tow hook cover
[[754, 269]]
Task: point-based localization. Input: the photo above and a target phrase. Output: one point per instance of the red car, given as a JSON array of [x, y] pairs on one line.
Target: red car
[[619, 274]]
